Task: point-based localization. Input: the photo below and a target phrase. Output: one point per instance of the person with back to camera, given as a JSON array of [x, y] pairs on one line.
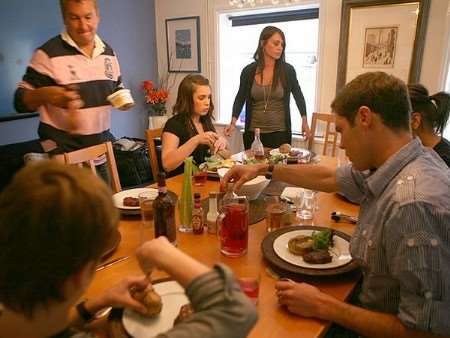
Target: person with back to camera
[[191, 131], [52, 237], [429, 117], [401, 241], [265, 87]]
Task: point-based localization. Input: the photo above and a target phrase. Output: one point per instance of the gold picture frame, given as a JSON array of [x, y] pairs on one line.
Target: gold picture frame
[[384, 35]]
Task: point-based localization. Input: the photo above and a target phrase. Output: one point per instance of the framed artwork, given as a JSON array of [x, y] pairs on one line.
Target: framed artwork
[[383, 35], [183, 45]]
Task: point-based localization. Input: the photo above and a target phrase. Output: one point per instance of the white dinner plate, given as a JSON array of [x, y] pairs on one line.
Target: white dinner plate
[[305, 152], [118, 197], [173, 297], [340, 252]]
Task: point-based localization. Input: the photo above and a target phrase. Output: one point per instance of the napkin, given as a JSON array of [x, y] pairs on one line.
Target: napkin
[[291, 192]]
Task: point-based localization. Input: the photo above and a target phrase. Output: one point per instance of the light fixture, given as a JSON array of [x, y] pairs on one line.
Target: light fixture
[[253, 3]]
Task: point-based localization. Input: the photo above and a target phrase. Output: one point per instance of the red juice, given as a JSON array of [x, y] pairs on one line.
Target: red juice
[[250, 286], [234, 230]]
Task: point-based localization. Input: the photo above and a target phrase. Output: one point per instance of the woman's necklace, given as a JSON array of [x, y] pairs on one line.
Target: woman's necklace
[[266, 101]]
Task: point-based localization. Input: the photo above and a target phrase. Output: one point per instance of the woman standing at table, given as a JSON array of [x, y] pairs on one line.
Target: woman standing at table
[[429, 118], [265, 88], [190, 131]]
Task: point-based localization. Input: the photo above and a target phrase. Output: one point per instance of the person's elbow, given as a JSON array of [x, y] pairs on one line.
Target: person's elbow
[[168, 163], [19, 104]]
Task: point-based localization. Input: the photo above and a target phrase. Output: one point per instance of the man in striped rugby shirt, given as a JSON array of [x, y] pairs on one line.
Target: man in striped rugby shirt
[[402, 239], [68, 80]]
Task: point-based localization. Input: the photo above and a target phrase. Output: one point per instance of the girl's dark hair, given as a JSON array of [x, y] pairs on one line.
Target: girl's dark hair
[[184, 106], [434, 109], [279, 71]]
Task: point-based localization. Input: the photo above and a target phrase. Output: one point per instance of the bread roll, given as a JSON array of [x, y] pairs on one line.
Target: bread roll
[[285, 148], [151, 300]]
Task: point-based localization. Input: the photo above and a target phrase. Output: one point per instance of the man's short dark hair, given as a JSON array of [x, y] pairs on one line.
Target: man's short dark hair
[[63, 4], [54, 219], [384, 94]]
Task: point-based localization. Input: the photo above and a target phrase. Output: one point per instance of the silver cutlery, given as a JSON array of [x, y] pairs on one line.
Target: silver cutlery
[[111, 262]]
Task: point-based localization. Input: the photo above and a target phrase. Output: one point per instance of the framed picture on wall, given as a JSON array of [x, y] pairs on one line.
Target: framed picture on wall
[[382, 35], [183, 44]]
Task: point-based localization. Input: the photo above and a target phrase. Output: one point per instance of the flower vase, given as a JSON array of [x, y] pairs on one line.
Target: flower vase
[[157, 115], [156, 122]]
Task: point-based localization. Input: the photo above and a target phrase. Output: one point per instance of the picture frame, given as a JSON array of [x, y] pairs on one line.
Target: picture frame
[[183, 45], [382, 35]]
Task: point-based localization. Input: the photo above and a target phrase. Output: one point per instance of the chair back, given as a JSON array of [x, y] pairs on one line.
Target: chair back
[[329, 134], [153, 134], [87, 157]]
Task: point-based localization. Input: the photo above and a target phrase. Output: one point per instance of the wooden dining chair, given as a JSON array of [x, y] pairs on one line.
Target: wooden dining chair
[[153, 134], [87, 157], [329, 134]]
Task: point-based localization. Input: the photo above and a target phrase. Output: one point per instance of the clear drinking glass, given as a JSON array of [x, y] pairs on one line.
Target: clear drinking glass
[[306, 202], [276, 209], [146, 199]]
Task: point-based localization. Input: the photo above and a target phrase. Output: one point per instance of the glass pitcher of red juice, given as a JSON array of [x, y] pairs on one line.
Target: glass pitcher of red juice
[[232, 225]]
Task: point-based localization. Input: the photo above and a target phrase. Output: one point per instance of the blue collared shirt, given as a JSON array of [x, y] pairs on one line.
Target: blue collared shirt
[[402, 240]]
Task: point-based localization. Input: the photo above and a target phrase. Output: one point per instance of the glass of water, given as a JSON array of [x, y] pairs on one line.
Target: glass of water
[[306, 203]]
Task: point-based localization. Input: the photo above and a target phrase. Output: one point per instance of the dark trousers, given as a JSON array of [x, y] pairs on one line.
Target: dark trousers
[[269, 140]]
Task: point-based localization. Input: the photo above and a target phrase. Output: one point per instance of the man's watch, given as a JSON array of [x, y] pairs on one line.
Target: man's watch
[[87, 316], [84, 313], [269, 171]]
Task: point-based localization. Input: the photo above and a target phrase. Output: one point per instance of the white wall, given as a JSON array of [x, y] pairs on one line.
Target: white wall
[[433, 64]]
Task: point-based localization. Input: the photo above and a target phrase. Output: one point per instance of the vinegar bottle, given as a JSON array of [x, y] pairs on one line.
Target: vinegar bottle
[[211, 217], [257, 146]]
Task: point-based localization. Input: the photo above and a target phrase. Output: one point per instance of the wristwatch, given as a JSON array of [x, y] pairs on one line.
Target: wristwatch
[[269, 171], [84, 313], [87, 316]]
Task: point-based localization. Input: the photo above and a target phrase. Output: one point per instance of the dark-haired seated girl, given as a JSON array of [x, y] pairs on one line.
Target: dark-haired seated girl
[[190, 131]]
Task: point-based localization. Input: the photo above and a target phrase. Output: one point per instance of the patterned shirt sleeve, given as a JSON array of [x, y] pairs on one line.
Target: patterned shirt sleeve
[[417, 245], [351, 183]]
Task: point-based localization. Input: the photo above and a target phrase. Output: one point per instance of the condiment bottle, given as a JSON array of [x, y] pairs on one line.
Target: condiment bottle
[[197, 215], [211, 217], [164, 212], [257, 146]]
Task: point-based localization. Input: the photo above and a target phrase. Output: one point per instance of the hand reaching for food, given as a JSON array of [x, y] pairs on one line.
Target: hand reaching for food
[[208, 138], [220, 144], [151, 300]]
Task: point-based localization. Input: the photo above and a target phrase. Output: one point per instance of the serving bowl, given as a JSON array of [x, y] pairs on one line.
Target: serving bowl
[[252, 189]]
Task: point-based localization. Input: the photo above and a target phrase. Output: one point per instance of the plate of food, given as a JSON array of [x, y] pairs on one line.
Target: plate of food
[[128, 200], [289, 259], [311, 249], [168, 305], [288, 151], [215, 162]]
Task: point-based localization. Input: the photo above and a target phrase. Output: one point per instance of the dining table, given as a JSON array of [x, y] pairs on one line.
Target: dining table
[[274, 320]]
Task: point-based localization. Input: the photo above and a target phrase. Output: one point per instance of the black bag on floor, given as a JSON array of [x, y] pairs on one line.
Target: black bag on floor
[[133, 164]]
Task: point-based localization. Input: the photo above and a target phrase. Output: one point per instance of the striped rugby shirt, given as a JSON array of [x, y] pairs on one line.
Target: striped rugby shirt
[[402, 240], [60, 62]]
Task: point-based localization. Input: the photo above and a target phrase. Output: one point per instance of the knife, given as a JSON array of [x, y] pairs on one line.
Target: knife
[[111, 262]]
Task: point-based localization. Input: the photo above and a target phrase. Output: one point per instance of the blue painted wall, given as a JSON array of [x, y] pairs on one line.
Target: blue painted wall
[[128, 26]]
